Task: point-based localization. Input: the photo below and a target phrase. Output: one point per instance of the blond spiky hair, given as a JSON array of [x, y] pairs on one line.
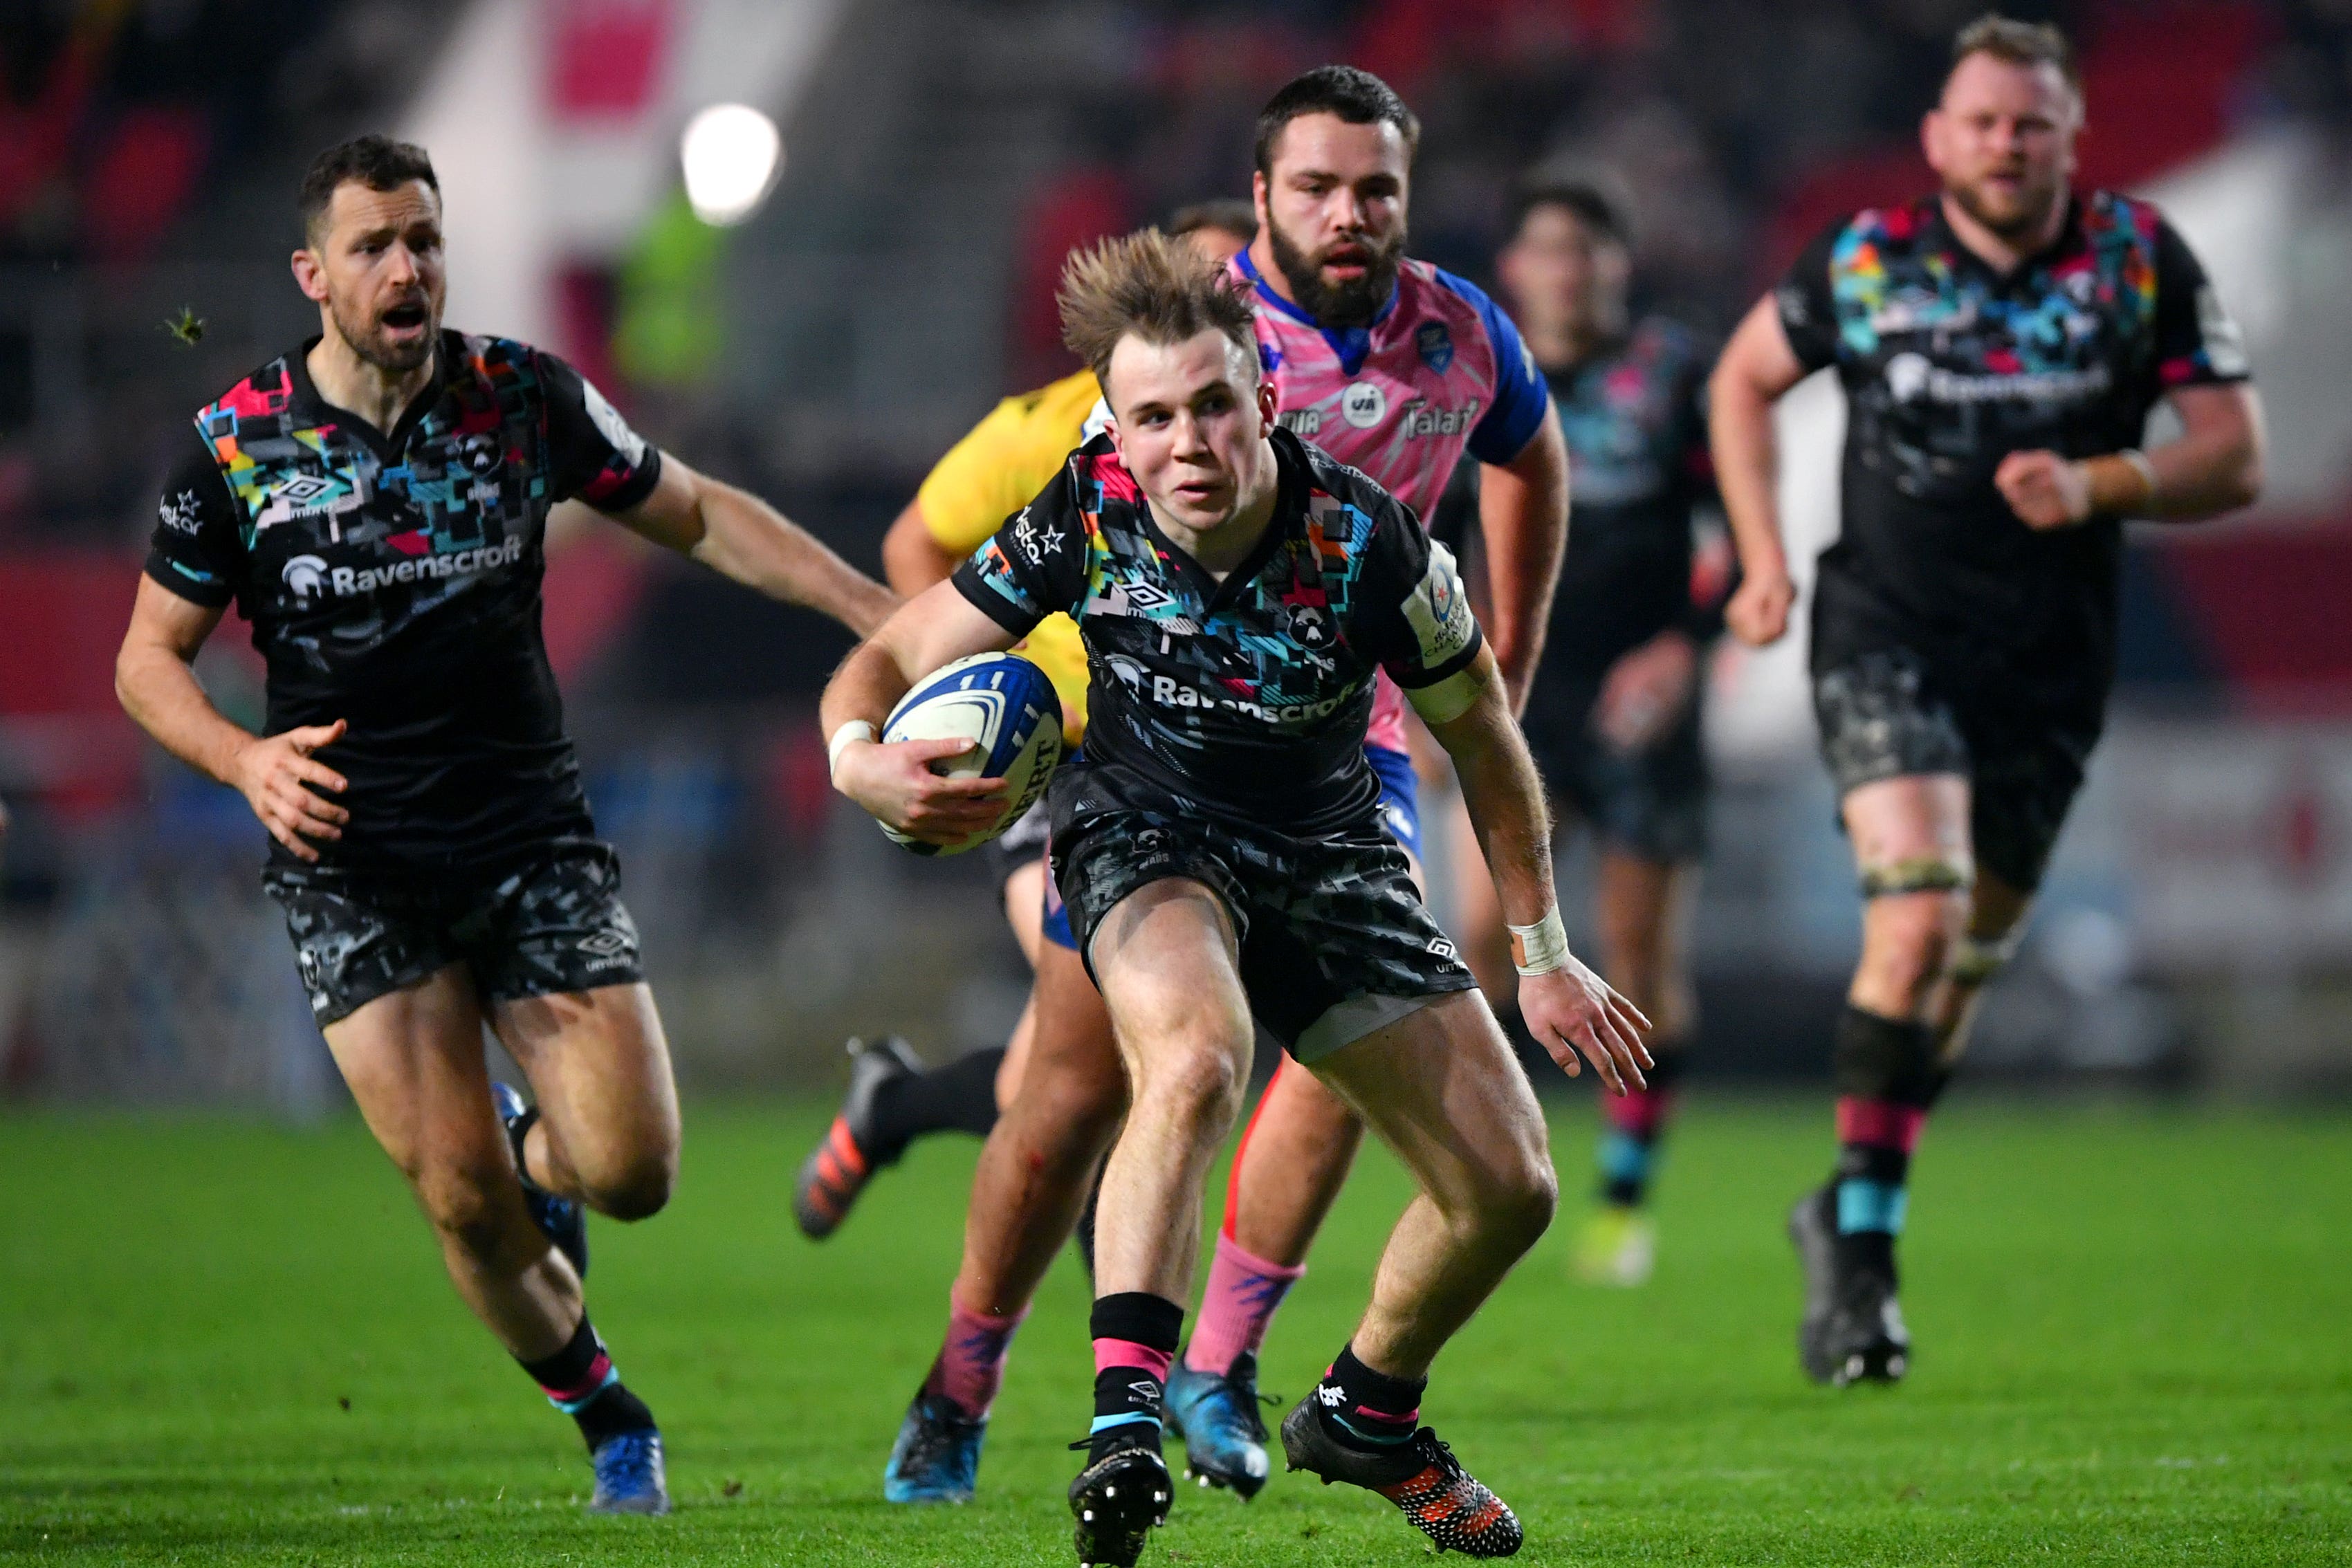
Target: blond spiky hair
[[1148, 286]]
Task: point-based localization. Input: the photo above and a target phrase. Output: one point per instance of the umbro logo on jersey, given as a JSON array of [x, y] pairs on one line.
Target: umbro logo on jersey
[[604, 944]]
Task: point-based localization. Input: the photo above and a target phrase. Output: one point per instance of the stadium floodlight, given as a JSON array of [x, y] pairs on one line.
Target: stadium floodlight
[[732, 154]]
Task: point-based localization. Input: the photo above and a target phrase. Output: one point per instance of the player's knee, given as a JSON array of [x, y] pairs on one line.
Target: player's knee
[[635, 1187], [467, 1207], [1198, 1073], [1520, 1201], [1911, 944]]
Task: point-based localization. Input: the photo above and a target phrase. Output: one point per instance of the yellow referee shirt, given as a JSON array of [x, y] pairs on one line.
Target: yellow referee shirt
[[995, 471]]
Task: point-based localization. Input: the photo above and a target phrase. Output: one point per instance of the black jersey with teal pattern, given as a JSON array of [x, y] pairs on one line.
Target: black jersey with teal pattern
[[1948, 367], [1245, 698], [1634, 417], [392, 581]]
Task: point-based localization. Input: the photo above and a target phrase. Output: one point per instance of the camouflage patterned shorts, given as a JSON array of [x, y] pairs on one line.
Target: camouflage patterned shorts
[[550, 922], [1334, 941]]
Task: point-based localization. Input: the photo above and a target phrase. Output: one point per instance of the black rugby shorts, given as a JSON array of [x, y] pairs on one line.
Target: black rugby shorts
[[547, 922]]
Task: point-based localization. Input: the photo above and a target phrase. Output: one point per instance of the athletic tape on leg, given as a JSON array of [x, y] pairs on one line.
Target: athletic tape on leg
[[1918, 873]]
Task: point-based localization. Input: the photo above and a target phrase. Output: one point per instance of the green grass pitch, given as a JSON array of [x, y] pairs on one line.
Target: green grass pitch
[[222, 1342]]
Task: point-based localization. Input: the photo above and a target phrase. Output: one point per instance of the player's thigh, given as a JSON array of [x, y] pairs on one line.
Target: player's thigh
[[1913, 827], [1441, 1088], [412, 1059], [1166, 958], [600, 1069], [1073, 1054]]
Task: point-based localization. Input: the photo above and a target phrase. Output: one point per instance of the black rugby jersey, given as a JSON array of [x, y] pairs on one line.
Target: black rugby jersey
[[1635, 422], [1948, 367], [392, 581], [1246, 699]]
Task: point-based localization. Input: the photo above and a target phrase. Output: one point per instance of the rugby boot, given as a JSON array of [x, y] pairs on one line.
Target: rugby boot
[[1121, 1497], [1421, 1476], [1852, 1329], [1225, 1437], [1617, 1247], [937, 1456], [838, 1168], [630, 1475], [562, 1220]]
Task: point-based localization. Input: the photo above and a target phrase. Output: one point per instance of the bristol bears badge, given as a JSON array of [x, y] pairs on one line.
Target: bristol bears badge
[[1308, 626]]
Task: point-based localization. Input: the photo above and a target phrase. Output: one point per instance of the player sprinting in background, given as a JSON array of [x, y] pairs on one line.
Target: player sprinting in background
[[1220, 845], [2000, 344], [376, 502], [984, 479], [1613, 717]]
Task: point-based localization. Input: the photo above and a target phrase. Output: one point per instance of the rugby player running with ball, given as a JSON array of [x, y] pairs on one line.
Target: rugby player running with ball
[[2000, 344], [1220, 848], [376, 502]]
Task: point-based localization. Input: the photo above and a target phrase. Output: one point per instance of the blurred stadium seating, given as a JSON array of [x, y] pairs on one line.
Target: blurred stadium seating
[[942, 156]]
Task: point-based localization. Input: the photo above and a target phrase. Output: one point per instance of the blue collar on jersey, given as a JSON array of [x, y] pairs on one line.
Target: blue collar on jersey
[[1350, 343]]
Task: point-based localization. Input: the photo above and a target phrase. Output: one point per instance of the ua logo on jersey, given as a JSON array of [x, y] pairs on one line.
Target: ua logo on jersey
[[1364, 405]]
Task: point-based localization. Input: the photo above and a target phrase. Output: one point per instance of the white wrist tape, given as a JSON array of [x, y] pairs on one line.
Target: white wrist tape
[[848, 735], [1540, 948], [2145, 469]]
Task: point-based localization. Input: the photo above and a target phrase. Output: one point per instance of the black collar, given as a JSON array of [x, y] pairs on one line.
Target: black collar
[[1939, 232], [303, 399]]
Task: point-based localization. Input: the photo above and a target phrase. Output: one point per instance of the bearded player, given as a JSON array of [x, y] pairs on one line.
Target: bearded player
[[1397, 369], [376, 502], [2000, 344]]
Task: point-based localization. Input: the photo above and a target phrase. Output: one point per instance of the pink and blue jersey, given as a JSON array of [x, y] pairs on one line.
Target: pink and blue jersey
[[1439, 371]]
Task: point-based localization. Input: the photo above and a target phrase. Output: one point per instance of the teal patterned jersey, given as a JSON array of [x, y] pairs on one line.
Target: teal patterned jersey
[[1948, 367], [392, 581], [1246, 697]]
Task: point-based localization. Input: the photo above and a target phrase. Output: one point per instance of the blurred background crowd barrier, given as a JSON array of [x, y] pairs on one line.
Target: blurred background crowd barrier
[[818, 319]]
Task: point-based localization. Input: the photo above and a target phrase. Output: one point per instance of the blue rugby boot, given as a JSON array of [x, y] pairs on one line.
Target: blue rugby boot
[[937, 1456], [1225, 1437], [630, 1476], [562, 1220]]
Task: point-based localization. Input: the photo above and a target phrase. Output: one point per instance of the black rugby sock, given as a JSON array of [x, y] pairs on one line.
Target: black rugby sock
[[1136, 1334], [960, 1097], [1368, 1409], [580, 1380]]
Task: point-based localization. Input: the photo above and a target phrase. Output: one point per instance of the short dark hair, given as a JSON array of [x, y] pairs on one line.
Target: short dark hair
[[1603, 210], [379, 162], [2017, 43], [1226, 215], [1148, 286], [1357, 96]]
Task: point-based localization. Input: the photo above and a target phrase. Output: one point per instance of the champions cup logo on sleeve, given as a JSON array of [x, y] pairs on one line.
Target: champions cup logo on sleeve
[[1439, 612], [612, 426]]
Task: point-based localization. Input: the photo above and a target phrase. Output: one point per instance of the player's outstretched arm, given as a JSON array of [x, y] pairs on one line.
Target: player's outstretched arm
[[912, 558], [2215, 467], [276, 774], [895, 782], [738, 535], [1757, 370], [1523, 517], [1566, 1006]]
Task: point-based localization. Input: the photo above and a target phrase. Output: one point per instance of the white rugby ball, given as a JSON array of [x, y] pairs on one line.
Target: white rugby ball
[[1006, 708]]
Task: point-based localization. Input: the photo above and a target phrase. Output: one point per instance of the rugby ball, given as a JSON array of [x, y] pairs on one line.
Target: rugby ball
[[1006, 708]]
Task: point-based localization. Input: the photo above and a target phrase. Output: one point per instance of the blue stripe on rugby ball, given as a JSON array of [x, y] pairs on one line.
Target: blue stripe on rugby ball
[[1005, 705]]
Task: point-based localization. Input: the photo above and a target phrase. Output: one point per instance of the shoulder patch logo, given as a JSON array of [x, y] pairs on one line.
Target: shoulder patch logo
[[615, 429]]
